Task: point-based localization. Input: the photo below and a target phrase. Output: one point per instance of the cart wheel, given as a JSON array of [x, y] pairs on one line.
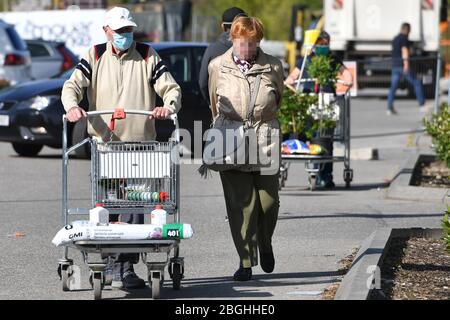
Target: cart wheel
[[65, 272], [283, 175], [348, 177], [281, 181], [97, 284], [105, 282], [65, 278], [176, 276], [155, 280], [312, 183]]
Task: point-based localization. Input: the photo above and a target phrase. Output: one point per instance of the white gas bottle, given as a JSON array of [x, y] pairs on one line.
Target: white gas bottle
[[158, 216], [99, 215]]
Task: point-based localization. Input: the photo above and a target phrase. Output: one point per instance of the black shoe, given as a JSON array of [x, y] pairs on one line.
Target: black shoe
[[267, 261], [325, 183], [129, 280], [243, 274], [329, 185]]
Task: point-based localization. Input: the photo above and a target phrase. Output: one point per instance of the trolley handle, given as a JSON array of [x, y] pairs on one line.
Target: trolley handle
[[116, 114], [347, 84], [173, 116], [121, 114]]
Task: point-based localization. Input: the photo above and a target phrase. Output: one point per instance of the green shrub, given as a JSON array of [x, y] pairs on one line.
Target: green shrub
[[293, 112], [439, 130], [322, 69]]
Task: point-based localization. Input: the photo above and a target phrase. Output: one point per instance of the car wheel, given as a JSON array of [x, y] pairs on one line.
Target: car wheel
[[79, 133], [27, 149]]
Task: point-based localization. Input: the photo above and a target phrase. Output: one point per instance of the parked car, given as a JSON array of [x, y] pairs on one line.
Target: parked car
[[31, 113], [15, 61], [50, 58], [184, 60]]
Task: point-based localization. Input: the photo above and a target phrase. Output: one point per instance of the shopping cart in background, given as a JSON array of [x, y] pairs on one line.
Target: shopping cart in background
[[314, 163], [127, 178]]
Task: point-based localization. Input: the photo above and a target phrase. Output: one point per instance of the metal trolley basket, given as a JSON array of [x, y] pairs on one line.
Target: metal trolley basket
[[314, 163], [127, 178]]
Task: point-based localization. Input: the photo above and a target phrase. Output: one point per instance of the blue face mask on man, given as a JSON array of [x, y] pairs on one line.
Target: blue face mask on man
[[122, 41]]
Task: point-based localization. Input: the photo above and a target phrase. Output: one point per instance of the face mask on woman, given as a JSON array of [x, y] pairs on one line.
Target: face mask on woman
[[122, 41], [322, 50]]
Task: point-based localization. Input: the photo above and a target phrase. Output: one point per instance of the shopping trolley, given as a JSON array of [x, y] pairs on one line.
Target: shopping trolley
[[314, 164], [127, 178]]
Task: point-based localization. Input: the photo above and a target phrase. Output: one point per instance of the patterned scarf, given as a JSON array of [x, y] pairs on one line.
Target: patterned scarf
[[243, 65]]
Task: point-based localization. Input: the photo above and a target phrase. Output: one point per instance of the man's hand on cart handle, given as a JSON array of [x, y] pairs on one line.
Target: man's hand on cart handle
[[160, 113], [75, 113]]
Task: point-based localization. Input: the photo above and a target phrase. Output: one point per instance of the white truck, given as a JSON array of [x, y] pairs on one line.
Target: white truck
[[363, 30]]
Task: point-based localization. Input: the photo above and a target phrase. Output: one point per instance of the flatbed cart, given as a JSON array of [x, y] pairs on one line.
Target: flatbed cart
[[117, 170], [314, 163]]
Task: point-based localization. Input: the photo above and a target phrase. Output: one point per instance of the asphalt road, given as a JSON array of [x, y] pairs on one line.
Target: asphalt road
[[315, 229]]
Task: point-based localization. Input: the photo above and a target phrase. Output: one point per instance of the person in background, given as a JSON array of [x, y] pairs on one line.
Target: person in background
[[401, 68], [321, 47], [217, 48]]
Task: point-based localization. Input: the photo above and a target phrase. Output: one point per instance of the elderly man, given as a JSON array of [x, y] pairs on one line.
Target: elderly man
[[122, 73]]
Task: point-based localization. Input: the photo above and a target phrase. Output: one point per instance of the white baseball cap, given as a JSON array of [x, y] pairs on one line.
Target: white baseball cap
[[118, 17]]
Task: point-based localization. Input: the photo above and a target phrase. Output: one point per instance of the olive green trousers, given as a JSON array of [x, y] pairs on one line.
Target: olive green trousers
[[252, 206]]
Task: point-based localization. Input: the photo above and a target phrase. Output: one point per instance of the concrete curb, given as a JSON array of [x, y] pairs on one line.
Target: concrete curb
[[400, 187], [358, 154], [354, 285], [358, 282]]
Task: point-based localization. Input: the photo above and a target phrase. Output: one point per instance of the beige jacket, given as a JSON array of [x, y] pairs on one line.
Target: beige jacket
[[230, 93], [128, 81]]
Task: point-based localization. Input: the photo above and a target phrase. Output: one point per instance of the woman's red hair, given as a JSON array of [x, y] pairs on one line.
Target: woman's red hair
[[248, 28]]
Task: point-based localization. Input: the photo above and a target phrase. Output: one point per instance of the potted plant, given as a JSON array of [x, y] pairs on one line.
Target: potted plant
[[311, 116], [294, 116], [325, 73]]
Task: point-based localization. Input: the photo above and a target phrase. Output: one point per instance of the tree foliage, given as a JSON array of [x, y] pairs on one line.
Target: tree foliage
[[274, 14]]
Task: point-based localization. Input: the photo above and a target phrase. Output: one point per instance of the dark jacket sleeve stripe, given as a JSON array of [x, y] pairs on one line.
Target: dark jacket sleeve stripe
[[157, 67], [159, 74], [86, 64], [85, 72]]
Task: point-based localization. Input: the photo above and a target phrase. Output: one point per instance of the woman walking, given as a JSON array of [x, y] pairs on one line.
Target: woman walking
[[251, 194]]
